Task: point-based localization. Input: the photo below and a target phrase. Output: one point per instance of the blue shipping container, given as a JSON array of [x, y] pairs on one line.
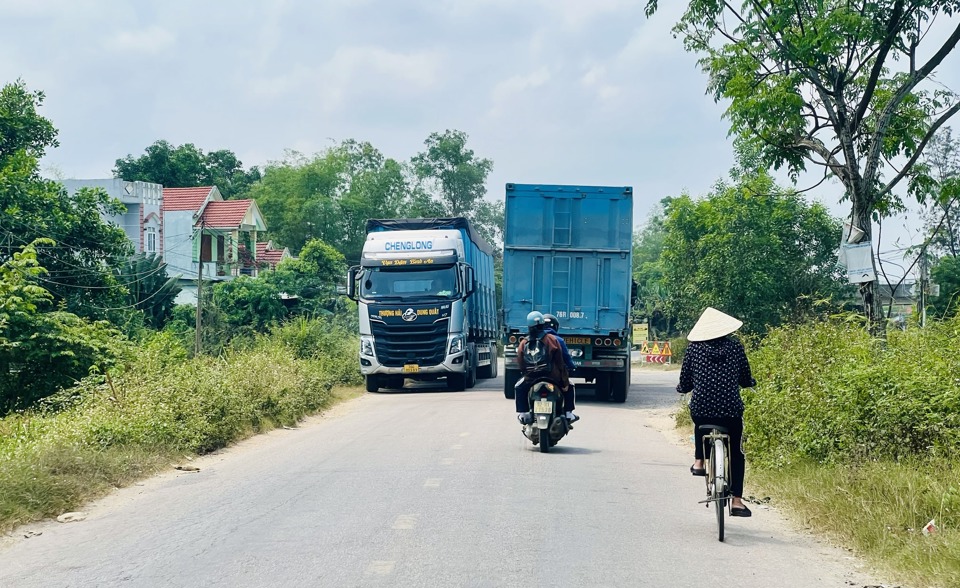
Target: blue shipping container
[[568, 251]]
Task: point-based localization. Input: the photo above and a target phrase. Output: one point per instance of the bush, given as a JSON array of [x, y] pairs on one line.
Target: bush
[[831, 393], [114, 428]]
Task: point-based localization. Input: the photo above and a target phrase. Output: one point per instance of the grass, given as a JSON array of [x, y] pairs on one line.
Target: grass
[[878, 509], [108, 433]]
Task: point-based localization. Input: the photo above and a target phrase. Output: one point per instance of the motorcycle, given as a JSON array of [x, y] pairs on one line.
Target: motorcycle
[[549, 423]]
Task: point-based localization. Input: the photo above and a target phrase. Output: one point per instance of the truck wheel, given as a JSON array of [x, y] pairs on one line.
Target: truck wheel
[[619, 386], [472, 366], [510, 378], [373, 383], [456, 382], [602, 386], [486, 372]]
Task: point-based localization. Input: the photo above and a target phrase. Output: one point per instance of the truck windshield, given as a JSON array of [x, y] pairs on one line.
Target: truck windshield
[[406, 284]]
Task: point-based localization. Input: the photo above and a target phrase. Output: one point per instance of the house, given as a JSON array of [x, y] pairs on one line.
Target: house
[[187, 225], [268, 256], [141, 222], [208, 237]]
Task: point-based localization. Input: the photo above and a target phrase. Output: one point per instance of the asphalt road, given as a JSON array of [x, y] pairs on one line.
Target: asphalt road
[[431, 488]]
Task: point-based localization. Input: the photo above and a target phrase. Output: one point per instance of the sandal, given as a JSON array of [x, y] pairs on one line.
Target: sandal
[[698, 471], [740, 511]]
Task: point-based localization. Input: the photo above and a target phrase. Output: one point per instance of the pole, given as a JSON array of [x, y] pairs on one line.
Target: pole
[[196, 328]]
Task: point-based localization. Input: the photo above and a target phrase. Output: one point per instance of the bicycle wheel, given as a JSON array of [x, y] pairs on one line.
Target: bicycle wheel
[[719, 483]]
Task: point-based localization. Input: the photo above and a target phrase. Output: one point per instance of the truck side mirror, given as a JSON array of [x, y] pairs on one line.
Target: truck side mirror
[[352, 282], [469, 281]]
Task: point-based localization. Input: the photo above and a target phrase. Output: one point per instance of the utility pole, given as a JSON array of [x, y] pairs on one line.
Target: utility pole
[[924, 287], [196, 329]]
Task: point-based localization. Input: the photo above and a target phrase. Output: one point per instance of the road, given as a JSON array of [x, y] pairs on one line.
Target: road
[[431, 488]]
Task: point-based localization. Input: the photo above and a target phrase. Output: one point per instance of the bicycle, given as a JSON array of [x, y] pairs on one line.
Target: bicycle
[[716, 449]]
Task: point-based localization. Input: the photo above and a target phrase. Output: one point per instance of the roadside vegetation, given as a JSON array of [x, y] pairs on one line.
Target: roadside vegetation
[[160, 406], [859, 438]]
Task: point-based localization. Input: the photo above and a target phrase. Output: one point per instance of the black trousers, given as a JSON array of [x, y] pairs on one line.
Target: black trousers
[[734, 426]]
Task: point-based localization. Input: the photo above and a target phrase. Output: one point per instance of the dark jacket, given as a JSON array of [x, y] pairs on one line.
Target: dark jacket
[[558, 368], [714, 371]]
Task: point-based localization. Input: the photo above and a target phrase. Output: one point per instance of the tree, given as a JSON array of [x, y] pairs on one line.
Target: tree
[[249, 302], [457, 179], [331, 195], [751, 249], [149, 288], [653, 299], [187, 166], [836, 85], [40, 351], [943, 214], [85, 248], [313, 277]]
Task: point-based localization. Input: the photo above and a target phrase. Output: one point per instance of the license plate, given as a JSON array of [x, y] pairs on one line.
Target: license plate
[[411, 368], [543, 406]]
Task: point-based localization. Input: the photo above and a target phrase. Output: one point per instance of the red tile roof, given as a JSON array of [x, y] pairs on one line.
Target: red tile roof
[[267, 255], [185, 198], [225, 214]]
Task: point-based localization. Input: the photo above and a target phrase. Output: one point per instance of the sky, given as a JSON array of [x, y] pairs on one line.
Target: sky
[[552, 91]]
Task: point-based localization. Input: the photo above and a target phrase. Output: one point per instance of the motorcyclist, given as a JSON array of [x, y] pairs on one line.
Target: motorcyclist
[[559, 373], [552, 325]]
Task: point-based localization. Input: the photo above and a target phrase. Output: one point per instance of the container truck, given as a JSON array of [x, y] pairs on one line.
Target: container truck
[[427, 301], [568, 251]]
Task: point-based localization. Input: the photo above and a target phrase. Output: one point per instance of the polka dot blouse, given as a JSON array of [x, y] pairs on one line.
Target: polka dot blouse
[[715, 371]]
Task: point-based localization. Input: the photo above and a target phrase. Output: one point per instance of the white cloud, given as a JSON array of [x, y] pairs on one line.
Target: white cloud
[[150, 41]]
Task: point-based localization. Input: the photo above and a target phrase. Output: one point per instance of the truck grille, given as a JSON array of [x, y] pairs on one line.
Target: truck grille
[[397, 345]]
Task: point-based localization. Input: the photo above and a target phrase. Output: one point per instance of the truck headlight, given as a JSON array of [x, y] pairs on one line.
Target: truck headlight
[[366, 345], [456, 344]]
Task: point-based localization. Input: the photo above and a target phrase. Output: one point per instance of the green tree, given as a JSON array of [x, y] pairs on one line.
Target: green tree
[[312, 278], [149, 288], [42, 352], [249, 302], [942, 218], [78, 265], [839, 86], [751, 249], [653, 300], [187, 166], [331, 195], [456, 178]]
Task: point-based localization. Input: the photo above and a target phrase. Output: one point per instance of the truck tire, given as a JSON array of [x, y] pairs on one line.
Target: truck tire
[[619, 386], [486, 372], [510, 379], [373, 383], [456, 382], [471, 366], [602, 386]]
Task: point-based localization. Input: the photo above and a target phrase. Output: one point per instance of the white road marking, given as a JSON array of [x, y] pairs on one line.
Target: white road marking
[[405, 521], [380, 568]]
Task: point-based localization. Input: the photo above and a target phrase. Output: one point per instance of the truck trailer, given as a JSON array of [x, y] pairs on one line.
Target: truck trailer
[[568, 251], [427, 300]]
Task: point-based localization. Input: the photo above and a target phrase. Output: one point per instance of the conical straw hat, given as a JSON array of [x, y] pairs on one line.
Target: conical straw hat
[[712, 324]]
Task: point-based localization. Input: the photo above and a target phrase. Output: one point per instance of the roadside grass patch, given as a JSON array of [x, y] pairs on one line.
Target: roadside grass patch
[[859, 438], [109, 431], [878, 509]]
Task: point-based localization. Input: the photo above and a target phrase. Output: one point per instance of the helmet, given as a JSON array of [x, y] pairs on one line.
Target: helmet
[[551, 322], [534, 319]]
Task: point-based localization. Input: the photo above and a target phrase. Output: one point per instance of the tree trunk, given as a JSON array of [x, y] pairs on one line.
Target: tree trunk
[[869, 294]]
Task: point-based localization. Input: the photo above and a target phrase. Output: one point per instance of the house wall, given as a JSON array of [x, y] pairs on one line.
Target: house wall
[[140, 198]]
